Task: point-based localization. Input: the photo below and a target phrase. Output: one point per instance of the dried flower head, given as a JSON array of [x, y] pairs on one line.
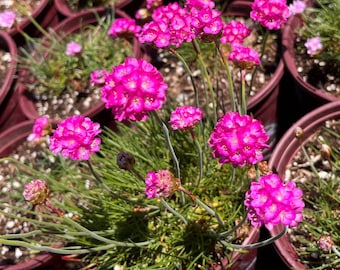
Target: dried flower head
[[7, 19], [244, 57], [160, 184], [185, 117], [73, 48], [36, 191], [125, 161], [41, 127], [313, 45], [234, 32], [124, 28], [326, 243]]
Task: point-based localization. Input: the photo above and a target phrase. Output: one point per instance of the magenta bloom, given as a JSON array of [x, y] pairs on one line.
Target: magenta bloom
[[313, 45], [185, 117], [244, 57], [270, 13], [124, 27], [238, 139], [73, 48], [170, 25], [133, 89], [41, 128], [36, 191], [270, 202], [297, 7], [7, 19], [75, 138], [160, 184], [97, 77], [200, 4], [234, 32]]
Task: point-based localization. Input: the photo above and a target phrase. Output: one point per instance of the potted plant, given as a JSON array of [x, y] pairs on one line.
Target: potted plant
[[55, 78], [310, 52], [309, 153]]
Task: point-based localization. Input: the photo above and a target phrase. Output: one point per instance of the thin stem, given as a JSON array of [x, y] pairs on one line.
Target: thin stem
[[167, 206], [210, 211], [226, 233], [243, 109], [200, 156], [336, 251]]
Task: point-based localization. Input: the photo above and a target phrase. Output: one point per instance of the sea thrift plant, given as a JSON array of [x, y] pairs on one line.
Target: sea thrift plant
[[76, 138], [234, 32], [73, 48], [41, 127], [124, 27], [185, 117], [36, 191], [244, 57], [97, 77], [297, 7], [160, 184], [313, 45], [7, 19]]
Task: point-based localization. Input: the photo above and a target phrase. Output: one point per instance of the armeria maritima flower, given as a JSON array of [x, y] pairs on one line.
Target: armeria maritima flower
[[7, 19], [185, 117], [234, 32], [270, 202], [238, 139], [313, 45], [98, 77], [200, 4], [133, 89], [244, 57], [124, 28], [297, 7], [73, 48], [41, 127], [160, 184], [75, 137], [270, 13], [36, 191]]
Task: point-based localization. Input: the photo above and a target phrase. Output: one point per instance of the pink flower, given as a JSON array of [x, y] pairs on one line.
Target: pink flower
[[124, 27], [160, 184], [200, 4], [185, 117], [270, 202], [133, 89], [75, 137], [7, 19], [313, 45], [36, 191], [234, 32], [297, 7], [41, 128], [98, 76], [244, 57], [73, 48], [238, 139], [270, 13]]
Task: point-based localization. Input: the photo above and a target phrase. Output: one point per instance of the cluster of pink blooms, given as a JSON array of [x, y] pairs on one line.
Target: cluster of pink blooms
[[234, 32], [297, 7], [36, 191], [97, 77], [270, 13], [124, 28], [75, 138], [238, 139], [271, 202], [313, 45], [133, 89], [244, 57], [7, 19], [160, 184], [185, 117], [41, 128], [73, 48]]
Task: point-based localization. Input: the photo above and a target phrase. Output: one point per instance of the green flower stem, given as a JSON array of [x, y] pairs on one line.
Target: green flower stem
[[167, 206], [309, 160], [200, 156], [336, 251], [226, 233], [258, 244], [243, 109]]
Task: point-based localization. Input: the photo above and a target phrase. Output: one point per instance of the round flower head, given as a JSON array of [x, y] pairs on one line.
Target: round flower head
[[97, 77], [124, 28], [244, 57], [313, 45], [41, 128], [73, 48], [75, 138], [133, 89], [36, 191], [297, 7], [234, 32], [326, 243], [270, 13], [7, 19], [270, 202], [160, 184], [238, 139], [185, 117]]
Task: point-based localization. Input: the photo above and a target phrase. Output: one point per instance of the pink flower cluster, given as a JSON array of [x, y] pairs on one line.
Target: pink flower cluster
[[244, 57], [238, 139], [41, 128], [297, 7], [313, 45], [7, 19], [73, 48], [160, 184], [270, 13], [98, 77], [133, 89], [234, 32], [36, 191], [170, 25], [270, 202], [124, 28], [75, 137], [185, 117]]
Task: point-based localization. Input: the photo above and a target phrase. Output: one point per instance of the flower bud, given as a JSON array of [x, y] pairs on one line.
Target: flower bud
[[325, 152], [36, 191], [125, 161], [298, 132]]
